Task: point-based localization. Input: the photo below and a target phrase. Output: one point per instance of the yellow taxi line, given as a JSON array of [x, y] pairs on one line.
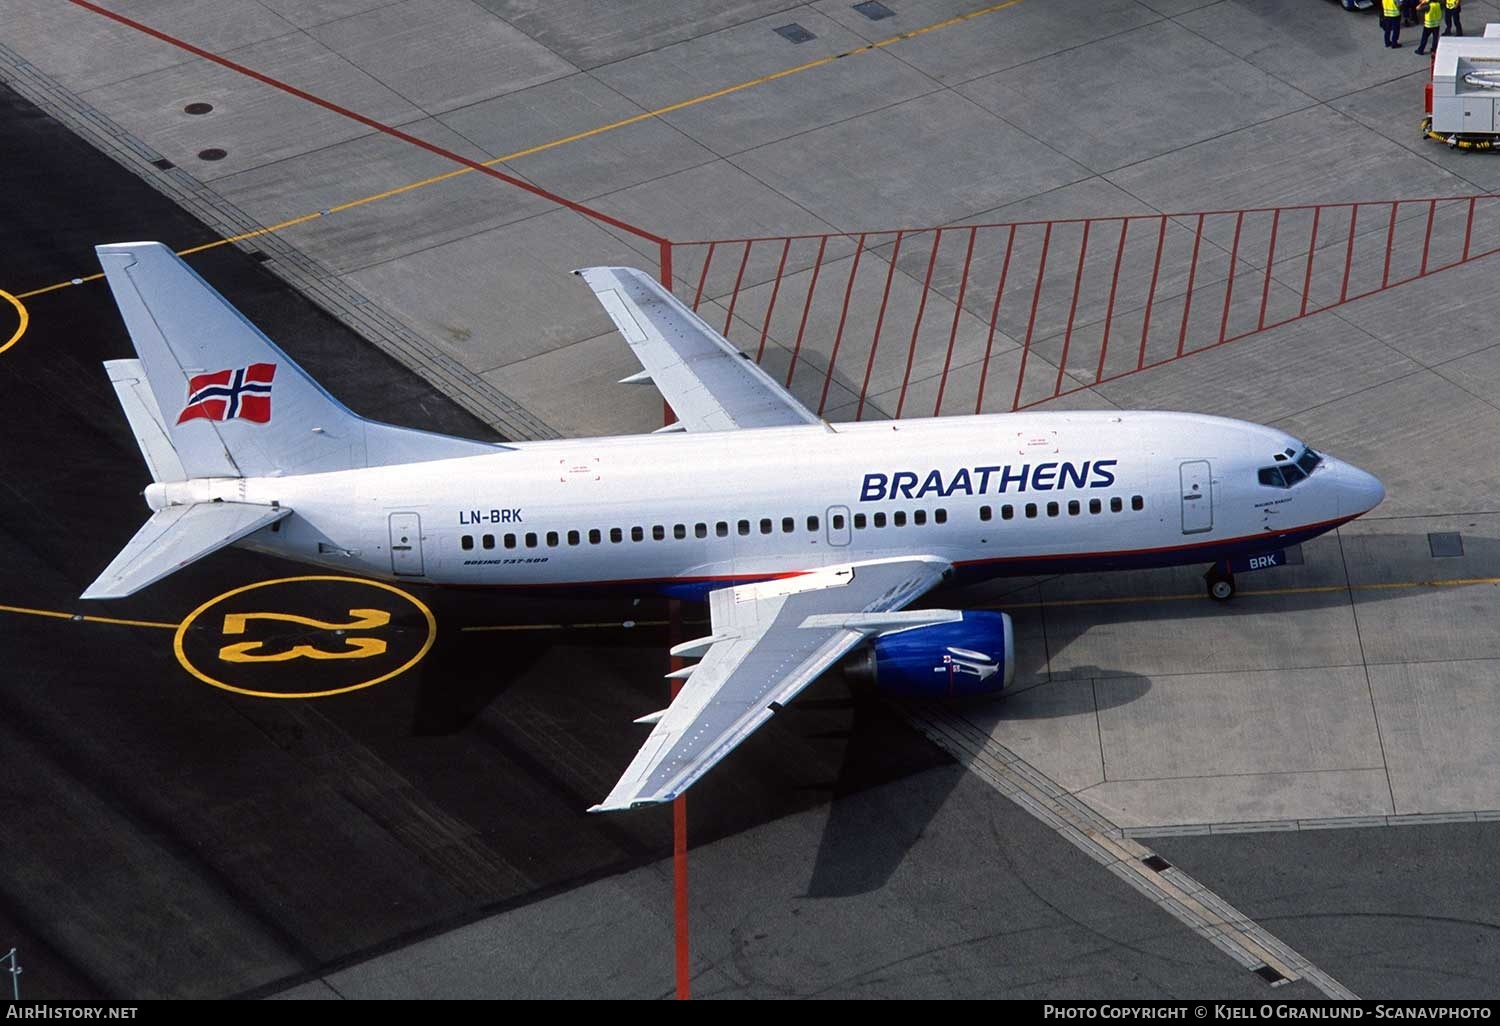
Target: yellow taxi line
[[55, 615], [542, 147]]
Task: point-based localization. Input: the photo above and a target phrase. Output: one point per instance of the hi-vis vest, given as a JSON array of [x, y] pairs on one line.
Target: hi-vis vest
[[1434, 14], [1452, 4], [1390, 8]]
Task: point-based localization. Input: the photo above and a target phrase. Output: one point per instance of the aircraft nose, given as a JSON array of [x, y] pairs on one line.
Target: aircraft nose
[[1359, 490]]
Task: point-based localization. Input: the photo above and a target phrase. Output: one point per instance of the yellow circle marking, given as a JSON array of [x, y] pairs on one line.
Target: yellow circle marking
[[187, 664], [21, 313]]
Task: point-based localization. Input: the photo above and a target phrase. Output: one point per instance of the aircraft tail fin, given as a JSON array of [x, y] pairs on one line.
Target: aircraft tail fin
[[176, 536], [227, 401]]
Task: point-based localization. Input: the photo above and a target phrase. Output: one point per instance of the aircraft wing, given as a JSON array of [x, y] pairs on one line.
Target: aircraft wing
[[769, 641], [710, 385]]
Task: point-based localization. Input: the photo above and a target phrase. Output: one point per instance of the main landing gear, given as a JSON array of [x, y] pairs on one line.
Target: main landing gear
[[1220, 582]]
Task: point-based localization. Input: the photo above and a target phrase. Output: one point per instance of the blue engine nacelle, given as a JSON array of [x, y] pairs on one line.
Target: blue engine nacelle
[[972, 656]]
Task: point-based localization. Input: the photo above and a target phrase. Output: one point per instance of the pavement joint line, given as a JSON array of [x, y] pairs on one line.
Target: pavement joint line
[[1189, 901], [563, 141], [309, 277]]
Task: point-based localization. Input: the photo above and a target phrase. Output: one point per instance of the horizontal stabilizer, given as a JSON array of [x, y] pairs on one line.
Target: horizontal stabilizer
[[176, 536]]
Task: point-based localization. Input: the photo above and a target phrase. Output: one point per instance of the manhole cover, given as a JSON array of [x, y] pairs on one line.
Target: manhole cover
[[212, 154], [796, 33], [198, 108]]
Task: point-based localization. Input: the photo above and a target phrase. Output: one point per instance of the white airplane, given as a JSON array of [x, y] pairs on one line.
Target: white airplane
[[808, 539]]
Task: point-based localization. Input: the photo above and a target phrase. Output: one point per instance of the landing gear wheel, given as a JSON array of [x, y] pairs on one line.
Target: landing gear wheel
[[1220, 584]]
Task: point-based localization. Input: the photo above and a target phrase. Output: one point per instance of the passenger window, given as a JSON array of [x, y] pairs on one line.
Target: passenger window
[[1052, 509], [1137, 502], [744, 527], [616, 535], [985, 512], [1095, 506], [488, 541], [658, 532], [722, 529], [530, 541], [788, 525], [466, 542], [551, 537], [879, 519], [765, 525], [573, 538], [594, 536], [1074, 508], [812, 523], [898, 518], [510, 541], [838, 521], [1271, 477], [637, 534], [700, 530], [1116, 504], [919, 517], [1007, 512], [940, 516], [1030, 510], [859, 521], [679, 531]]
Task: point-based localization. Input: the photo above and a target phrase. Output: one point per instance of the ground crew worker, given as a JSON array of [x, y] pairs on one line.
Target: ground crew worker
[[1452, 26], [1431, 24], [1390, 20]]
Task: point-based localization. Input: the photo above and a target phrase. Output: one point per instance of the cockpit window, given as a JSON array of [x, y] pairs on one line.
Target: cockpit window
[[1289, 473], [1308, 460], [1292, 473], [1271, 476]]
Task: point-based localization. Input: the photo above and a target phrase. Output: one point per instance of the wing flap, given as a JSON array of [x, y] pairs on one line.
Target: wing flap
[[769, 642], [710, 385], [176, 536]]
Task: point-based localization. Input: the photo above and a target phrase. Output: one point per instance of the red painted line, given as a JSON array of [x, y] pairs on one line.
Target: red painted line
[[665, 255], [734, 297], [1265, 292], [806, 308], [911, 351], [1234, 258], [1349, 252], [958, 309], [1427, 239], [1109, 310], [1036, 299], [680, 896], [838, 336], [765, 328], [1187, 299], [1080, 220], [1312, 248], [1083, 252], [1468, 229], [890, 274], [1390, 244], [989, 344], [703, 277], [366, 121], [1161, 243]]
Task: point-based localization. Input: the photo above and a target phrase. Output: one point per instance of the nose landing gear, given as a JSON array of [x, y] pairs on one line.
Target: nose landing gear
[[1220, 582]]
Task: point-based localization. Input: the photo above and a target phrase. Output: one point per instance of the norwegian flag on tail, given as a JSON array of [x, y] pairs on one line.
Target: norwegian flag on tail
[[243, 393]]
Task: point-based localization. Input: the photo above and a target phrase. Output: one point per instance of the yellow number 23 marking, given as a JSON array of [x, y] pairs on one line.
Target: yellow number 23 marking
[[358, 648]]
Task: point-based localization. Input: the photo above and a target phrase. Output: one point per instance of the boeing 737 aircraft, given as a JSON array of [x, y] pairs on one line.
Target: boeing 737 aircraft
[[808, 539]]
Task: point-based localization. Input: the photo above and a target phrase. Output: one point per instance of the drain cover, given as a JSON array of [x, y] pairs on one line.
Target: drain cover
[[1446, 543], [1268, 974], [198, 108], [213, 153], [163, 164], [1156, 863], [794, 32], [874, 10]]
